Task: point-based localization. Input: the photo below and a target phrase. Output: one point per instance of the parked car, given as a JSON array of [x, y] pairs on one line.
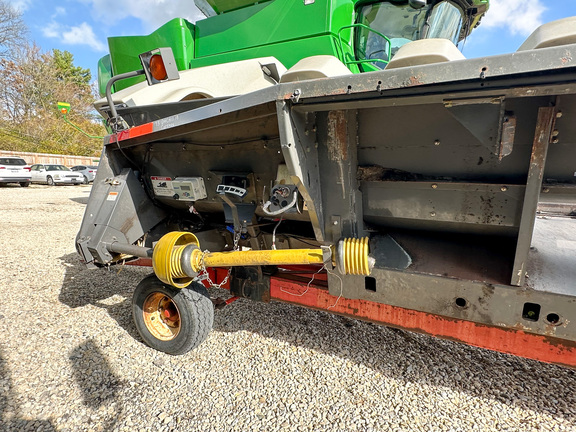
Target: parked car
[[52, 174], [14, 170], [88, 171]]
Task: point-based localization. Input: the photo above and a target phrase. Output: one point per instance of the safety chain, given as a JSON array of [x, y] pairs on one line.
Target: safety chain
[[203, 274]]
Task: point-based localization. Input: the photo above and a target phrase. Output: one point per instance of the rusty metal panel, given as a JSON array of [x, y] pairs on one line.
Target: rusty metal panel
[[337, 152], [443, 206]]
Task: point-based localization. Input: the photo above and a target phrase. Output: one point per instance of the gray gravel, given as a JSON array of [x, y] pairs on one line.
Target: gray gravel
[[71, 359]]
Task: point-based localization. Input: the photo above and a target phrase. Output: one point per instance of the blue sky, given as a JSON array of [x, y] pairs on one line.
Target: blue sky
[[82, 26]]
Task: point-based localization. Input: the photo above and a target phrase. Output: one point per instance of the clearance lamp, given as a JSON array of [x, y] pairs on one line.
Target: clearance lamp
[[159, 65]]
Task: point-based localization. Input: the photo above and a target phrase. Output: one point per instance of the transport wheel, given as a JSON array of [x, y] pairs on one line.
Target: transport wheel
[[50, 181], [169, 319], [85, 181], [25, 184]]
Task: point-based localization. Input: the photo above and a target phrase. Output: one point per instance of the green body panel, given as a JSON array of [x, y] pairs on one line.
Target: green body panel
[[271, 23], [221, 6], [288, 53], [177, 34], [286, 29], [298, 31], [104, 72]]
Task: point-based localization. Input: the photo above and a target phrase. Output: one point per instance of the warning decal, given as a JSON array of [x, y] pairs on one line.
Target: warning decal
[[162, 186]]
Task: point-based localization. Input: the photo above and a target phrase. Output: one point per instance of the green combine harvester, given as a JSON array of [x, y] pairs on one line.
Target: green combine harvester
[[343, 155]]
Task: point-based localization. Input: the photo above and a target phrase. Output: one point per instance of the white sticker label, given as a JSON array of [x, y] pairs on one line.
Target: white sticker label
[[162, 186], [112, 196]]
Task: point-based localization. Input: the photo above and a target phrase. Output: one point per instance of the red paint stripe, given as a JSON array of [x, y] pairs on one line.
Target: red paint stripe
[[134, 132], [144, 129]]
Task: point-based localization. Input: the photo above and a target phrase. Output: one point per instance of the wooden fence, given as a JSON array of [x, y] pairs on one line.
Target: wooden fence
[[69, 161]]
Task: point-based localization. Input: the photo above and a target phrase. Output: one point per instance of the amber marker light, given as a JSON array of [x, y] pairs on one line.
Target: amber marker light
[[157, 68], [159, 65]]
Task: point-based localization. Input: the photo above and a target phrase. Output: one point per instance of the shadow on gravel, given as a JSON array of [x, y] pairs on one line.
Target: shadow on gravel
[[397, 354], [10, 185], [9, 411], [80, 200], [100, 387], [82, 287], [411, 357]]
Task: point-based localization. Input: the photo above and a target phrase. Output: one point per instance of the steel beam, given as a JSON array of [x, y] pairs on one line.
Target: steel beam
[[542, 137]]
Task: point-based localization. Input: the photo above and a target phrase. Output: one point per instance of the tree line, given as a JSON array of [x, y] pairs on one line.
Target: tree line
[[32, 84]]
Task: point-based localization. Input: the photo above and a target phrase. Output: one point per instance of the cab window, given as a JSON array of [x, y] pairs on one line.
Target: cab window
[[402, 23]]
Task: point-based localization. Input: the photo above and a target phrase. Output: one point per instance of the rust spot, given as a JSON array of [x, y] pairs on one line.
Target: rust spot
[[487, 291], [128, 224], [414, 81], [337, 136]]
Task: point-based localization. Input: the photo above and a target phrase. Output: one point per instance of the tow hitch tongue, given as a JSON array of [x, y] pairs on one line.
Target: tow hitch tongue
[[177, 258]]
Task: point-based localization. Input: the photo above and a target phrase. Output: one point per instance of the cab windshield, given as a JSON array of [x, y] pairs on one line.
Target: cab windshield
[[401, 23]]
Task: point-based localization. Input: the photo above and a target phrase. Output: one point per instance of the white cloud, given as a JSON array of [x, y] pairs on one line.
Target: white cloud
[[153, 13], [52, 30], [59, 11], [520, 17], [21, 5], [74, 35]]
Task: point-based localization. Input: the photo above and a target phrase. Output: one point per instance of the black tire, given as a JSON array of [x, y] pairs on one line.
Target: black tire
[[50, 181], [25, 184], [176, 320], [85, 181]]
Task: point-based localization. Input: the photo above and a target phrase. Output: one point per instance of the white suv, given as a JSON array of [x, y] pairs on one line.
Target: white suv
[[14, 170], [88, 171]]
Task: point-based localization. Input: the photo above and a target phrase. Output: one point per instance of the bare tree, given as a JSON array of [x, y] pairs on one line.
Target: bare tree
[[12, 28]]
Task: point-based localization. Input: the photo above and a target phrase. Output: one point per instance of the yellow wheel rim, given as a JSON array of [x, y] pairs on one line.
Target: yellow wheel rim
[[161, 316]]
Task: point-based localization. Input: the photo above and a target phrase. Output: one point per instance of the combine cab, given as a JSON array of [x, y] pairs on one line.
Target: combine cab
[[347, 159]]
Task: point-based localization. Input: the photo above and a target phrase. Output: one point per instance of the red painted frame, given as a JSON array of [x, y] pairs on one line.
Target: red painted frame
[[294, 287]]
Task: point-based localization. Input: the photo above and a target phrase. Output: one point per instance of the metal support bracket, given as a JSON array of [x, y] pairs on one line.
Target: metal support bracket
[[542, 137], [251, 283]]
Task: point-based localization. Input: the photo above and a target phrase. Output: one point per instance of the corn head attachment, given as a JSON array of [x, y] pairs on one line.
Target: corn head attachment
[[177, 258]]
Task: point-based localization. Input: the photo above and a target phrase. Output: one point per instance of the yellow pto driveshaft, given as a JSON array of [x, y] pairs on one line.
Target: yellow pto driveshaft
[[177, 258]]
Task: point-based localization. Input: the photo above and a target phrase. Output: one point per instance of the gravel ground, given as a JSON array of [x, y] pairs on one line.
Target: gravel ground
[[71, 359]]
